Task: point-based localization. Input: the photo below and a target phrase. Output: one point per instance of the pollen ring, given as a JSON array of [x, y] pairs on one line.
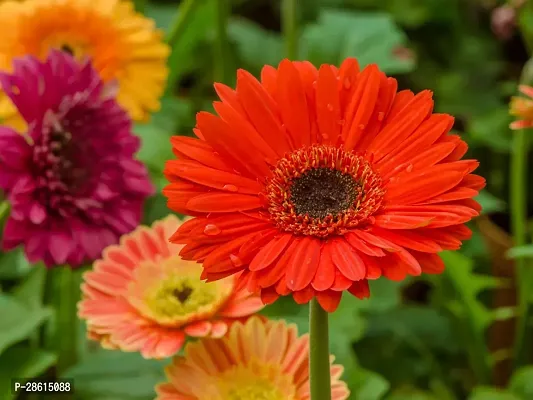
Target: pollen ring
[[322, 191]]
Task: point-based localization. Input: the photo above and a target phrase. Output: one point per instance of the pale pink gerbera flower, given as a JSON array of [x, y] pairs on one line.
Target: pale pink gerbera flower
[[72, 178], [255, 360], [141, 296]]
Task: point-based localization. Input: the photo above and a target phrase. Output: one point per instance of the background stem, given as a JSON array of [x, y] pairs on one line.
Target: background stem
[[289, 22], [221, 41], [186, 8], [319, 367], [522, 349]]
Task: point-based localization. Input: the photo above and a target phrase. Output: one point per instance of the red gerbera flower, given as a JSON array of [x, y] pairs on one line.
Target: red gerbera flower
[[313, 181]]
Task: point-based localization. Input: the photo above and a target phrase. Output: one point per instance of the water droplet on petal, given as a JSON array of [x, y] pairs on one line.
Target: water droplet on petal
[[381, 116], [409, 167], [347, 83], [230, 188], [325, 136], [340, 122], [235, 260], [361, 126], [330, 107], [212, 230]]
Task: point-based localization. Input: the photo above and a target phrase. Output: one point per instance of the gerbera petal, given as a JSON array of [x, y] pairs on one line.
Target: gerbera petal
[[361, 106], [329, 300], [293, 104], [262, 111], [347, 260], [304, 264], [268, 254], [328, 105], [223, 202], [325, 274]]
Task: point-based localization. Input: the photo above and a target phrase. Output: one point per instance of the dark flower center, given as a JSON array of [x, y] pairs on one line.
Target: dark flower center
[[323, 191], [67, 49], [62, 166], [182, 294], [320, 192]]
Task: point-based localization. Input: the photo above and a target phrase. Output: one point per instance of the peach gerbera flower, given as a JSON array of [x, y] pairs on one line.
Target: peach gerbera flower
[[122, 44], [255, 360], [522, 108], [141, 296]]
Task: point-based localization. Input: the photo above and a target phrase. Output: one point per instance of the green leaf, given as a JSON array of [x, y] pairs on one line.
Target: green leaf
[[488, 393], [491, 129], [474, 317], [410, 393], [17, 321], [22, 362], [368, 385], [386, 295], [522, 383], [155, 136], [256, 46], [525, 251], [490, 203], [116, 375], [30, 291], [370, 37], [199, 30], [14, 264]]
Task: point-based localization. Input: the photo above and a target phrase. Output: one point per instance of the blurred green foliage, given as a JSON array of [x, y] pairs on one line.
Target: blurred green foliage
[[423, 339]]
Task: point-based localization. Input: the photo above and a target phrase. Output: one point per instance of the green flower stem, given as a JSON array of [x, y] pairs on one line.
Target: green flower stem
[[4, 209], [61, 336], [185, 10], [319, 368], [524, 277], [221, 45], [289, 22]]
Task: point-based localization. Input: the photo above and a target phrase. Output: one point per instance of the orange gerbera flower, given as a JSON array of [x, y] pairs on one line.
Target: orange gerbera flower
[[522, 108], [141, 296], [123, 45], [313, 181], [257, 360]]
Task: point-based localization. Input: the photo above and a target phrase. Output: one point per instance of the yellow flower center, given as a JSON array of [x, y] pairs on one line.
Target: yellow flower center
[[521, 107], [258, 390], [255, 381], [171, 293], [180, 296]]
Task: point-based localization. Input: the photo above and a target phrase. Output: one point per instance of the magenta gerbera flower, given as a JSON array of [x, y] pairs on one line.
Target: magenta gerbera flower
[[72, 179]]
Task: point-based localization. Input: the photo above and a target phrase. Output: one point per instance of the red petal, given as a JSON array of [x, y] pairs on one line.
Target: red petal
[[325, 274], [412, 240], [329, 300], [362, 246], [328, 105], [347, 260], [223, 202], [303, 296], [361, 106], [293, 104], [263, 111], [196, 172], [269, 295], [268, 254], [190, 148], [304, 263], [360, 289], [341, 282]]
